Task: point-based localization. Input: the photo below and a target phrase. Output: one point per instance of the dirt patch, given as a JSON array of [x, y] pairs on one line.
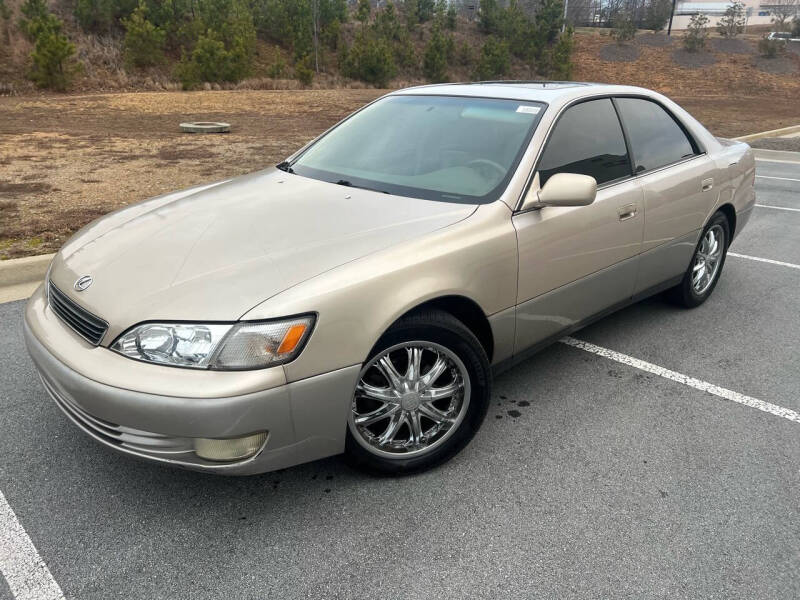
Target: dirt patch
[[13, 190], [619, 53], [693, 60], [69, 159], [184, 153], [732, 75], [787, 144], [782, 65], [732, 46], [657, 40], [731, 115]]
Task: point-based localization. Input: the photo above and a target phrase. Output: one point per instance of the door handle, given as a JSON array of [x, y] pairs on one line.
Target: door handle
[[627, 212], [708, 184]]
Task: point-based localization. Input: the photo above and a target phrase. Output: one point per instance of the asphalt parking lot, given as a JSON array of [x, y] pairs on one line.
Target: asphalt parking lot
[[590, 477]]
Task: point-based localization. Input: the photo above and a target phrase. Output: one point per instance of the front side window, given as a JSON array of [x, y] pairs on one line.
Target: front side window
[[587, 140], [454, 149], [656, 138]]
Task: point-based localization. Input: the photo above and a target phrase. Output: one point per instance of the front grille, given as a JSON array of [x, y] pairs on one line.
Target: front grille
[[84, 323]]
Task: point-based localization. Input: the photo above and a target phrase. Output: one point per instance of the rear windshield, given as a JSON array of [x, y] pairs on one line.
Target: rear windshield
[[445, 148]]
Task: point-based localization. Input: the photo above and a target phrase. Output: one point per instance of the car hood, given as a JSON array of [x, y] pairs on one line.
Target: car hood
[[213, 252]]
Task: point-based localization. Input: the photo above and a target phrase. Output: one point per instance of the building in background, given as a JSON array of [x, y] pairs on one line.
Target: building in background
[[757, 12]]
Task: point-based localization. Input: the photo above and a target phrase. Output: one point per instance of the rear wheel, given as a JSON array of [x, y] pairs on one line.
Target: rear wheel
[[421, 395], [705, 268]]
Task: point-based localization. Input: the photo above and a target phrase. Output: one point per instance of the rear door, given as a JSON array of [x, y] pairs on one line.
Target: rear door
[[577, 261], [677, 178]]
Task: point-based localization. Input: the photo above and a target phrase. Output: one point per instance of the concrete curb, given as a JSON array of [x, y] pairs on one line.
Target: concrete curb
[[777, 155], [771, 133], [19, 277]]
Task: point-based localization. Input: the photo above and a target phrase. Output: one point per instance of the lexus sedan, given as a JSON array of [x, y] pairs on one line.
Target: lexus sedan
[[358, 297]]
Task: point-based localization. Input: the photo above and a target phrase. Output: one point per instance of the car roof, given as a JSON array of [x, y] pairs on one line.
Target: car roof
[[537, 91]]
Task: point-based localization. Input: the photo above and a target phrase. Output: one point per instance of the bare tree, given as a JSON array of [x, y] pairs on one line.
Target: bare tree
[[782, 12]]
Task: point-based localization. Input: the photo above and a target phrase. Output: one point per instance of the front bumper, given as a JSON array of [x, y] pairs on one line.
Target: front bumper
[[305, 420]]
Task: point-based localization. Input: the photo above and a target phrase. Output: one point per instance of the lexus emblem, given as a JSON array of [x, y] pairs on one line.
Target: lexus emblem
[[83, 283]]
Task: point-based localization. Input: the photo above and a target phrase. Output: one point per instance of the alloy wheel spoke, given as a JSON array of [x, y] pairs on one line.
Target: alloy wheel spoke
[[700, 273], [367, 419], [386, 394], [433, 373], [395, 423], [434, 394], [434, 414], [414, 364], [415, 428], [387, 368]]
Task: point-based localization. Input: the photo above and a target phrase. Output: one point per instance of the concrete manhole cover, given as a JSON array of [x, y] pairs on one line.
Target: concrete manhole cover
[[205, 127]]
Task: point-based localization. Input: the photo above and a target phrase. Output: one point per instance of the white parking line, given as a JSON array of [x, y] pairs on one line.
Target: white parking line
[[766, 260], [781, 178], [24, 570], [778, 207], [704, 386]]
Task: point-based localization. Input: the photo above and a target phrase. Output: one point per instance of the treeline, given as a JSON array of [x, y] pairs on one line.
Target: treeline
[[215, 41]]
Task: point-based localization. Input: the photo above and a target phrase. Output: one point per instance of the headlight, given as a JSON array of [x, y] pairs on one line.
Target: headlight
[[226, 347]]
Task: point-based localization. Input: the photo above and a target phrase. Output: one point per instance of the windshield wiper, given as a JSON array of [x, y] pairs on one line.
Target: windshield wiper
[[285, 166], [347, 183]]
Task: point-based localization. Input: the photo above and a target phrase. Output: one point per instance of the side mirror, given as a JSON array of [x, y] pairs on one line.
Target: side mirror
[[563, 189]]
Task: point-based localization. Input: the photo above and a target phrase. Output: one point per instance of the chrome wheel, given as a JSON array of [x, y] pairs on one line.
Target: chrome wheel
[[409, 399], [708, 259]]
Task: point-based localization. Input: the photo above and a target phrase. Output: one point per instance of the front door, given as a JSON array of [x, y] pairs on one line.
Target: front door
[[575, 262]]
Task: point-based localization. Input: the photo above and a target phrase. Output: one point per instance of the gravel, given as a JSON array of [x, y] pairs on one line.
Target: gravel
[[732, 46], [658, 40], [619, 53], [693, 60]]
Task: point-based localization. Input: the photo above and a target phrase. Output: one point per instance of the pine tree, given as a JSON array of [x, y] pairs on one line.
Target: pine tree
[[53, 64], [144, 42], [696, 34], [434, 59], [732, 22]]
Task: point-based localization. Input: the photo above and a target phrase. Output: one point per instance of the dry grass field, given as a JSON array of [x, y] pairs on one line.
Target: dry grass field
[[65, 160]]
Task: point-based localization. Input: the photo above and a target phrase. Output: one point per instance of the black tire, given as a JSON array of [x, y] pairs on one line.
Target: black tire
[[440, 328], [684, 294]]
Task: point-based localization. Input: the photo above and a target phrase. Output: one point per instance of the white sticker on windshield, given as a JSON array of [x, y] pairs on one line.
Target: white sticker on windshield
[[531, 110]]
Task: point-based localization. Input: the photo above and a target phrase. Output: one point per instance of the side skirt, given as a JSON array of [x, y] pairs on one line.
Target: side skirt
[[522, 356]]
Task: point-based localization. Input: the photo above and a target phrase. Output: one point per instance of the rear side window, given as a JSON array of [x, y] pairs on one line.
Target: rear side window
[[587, 140], [656, 138]]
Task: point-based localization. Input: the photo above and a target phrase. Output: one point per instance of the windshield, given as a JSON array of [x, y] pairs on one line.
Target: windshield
[[434, 147]]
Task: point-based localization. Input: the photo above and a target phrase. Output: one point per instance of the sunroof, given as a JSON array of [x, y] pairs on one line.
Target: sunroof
[[537, 85]]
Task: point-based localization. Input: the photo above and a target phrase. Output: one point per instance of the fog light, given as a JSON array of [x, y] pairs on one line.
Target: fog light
[[231, 448]]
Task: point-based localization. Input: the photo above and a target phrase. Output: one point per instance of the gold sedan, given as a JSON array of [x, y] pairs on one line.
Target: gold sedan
[[358, 297]]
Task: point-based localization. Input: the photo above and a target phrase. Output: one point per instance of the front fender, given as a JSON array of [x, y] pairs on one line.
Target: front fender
[[357, 302]]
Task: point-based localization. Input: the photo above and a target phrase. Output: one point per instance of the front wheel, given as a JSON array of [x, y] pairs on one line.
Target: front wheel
[[421, 395], [706, 266]]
